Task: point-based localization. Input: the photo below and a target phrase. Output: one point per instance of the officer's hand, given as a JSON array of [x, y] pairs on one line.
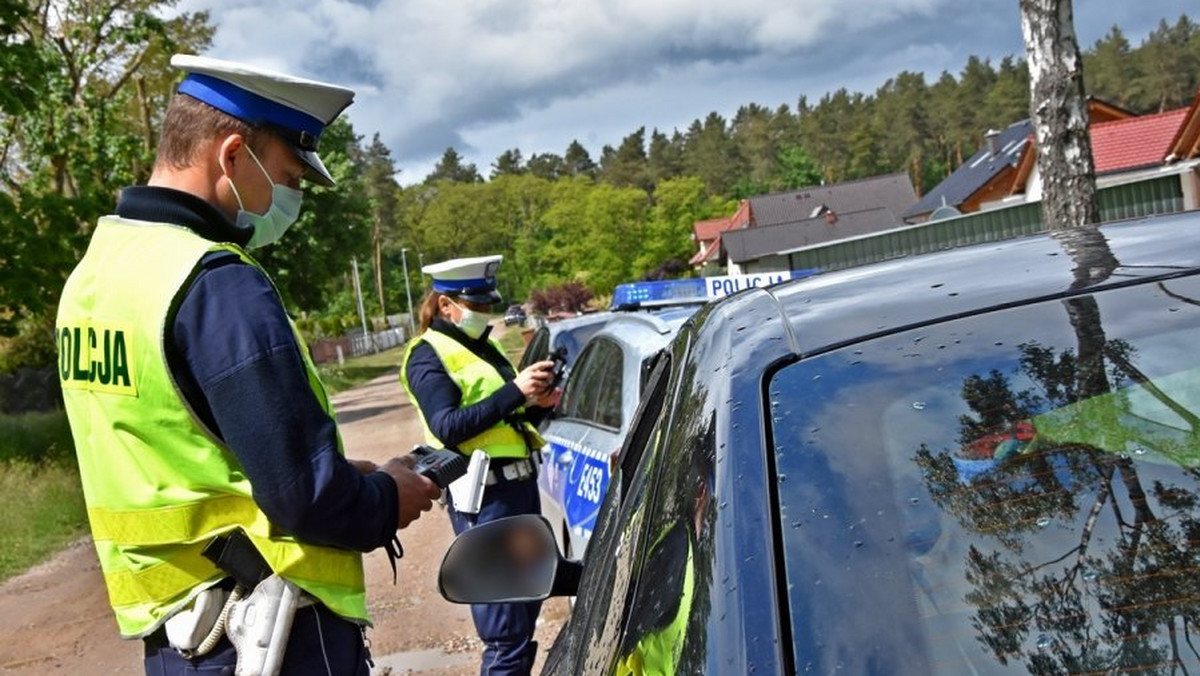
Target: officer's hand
[[416, 493], [363, 466], [534, 381], [548, 399]]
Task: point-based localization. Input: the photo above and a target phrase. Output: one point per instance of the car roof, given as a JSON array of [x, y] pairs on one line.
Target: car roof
[[572, 323], [666, 320], [830, 310]]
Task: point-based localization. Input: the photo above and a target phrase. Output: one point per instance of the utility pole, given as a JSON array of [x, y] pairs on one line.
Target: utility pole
[[362, 316], [412, 325], [421, 264]]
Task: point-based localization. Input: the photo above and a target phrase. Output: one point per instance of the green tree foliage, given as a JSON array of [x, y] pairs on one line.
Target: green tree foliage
[[379, 181], [797, 168], [628, 165], [678, 203], [577, 161], [711, 154], [80, 82], [509, 162], [546, 166], [451, 168], [311, 265]]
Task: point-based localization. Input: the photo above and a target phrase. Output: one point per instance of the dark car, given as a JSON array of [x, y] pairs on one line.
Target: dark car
[[980, 461], [515, 314]]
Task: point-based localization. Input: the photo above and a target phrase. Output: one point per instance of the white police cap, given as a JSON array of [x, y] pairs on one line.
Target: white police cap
[[472, 279], [295, 109]]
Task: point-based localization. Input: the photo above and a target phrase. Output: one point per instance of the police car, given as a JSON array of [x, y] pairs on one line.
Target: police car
[[568, 335], [906, 468], [590, 421]]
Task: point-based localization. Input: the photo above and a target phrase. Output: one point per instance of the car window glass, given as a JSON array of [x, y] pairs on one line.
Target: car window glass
[[588, 390], [588, 644], [1010, 493], [609, 392], [575, 339], [537, 350], [578, 400]]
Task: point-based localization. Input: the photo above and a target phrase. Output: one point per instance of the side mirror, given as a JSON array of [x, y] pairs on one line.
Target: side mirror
[[505, 561]]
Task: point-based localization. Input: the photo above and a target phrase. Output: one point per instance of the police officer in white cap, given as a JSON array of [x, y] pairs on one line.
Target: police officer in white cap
[[470, 397], [198, 417]]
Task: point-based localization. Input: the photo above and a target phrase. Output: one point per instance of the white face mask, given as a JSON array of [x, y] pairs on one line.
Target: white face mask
[[283, 212], [472, 323]]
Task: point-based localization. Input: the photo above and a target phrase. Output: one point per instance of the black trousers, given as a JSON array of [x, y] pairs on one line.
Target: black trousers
[[321, 644]]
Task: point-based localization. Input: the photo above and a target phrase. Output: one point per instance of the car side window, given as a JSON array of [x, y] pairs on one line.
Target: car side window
[[574, 399], [596, 380], [664, 617], [610, 388], [1013, 492], [538, 348]]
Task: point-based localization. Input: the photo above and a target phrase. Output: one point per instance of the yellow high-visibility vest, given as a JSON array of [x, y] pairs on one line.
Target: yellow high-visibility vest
[[160, 486], [477, 380]]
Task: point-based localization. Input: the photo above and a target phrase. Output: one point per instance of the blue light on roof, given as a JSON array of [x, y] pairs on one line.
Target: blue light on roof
[[645, 293], [696, 290]]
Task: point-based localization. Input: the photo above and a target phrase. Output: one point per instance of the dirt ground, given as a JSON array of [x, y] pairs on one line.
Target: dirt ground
[[54, 619]]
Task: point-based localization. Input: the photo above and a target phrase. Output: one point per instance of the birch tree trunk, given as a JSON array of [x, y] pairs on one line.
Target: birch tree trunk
[[1059, 112]]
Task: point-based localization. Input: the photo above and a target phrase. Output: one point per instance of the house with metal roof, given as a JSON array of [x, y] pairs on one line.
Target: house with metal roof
[[988, 176], [758, 236]]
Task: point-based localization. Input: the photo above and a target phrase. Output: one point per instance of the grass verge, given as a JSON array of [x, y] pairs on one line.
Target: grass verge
[[41, 511], [358, 370], [41, 500]]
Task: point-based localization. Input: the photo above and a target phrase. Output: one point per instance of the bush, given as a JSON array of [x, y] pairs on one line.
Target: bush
[[36, 438], [569, 297], [32, 347]]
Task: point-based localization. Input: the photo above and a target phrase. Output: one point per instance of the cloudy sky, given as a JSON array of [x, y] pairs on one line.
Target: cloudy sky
[[487, 75]]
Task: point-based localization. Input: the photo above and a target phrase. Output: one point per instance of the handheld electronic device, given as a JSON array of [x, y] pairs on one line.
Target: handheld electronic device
[[559, 357], [440, 465]]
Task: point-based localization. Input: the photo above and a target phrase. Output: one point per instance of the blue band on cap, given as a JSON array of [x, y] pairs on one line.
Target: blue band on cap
[[247, 106], [459, 285]]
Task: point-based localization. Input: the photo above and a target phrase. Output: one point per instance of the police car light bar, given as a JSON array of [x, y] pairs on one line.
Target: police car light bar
[[635, 295]]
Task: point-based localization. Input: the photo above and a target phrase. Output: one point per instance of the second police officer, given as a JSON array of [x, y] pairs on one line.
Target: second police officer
[[470, 397]]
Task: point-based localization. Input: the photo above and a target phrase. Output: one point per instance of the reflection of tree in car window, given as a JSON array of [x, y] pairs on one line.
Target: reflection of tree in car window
[[1075, 453]]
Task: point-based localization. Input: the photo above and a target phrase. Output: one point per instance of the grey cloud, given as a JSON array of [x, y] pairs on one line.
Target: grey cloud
[[344, 65], [433, 74]]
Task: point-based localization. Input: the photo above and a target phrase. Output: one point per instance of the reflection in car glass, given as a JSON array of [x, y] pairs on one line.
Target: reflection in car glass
[[1011, 493]]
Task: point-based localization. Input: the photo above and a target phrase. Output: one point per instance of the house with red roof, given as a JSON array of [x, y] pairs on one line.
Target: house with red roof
[[707, 235], [1128, 150], [987, 178]]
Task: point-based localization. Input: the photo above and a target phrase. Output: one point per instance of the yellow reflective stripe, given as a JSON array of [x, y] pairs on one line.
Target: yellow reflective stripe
[[316, 569], [163, 581], [173, 524]]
